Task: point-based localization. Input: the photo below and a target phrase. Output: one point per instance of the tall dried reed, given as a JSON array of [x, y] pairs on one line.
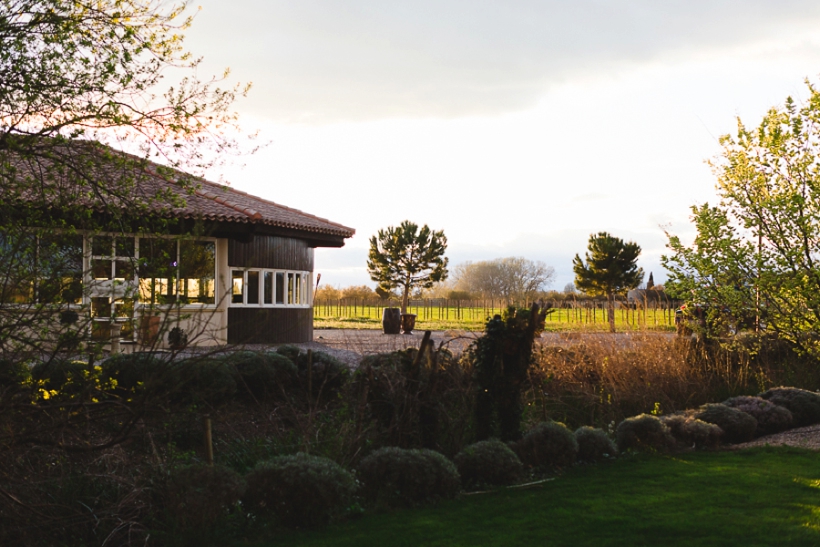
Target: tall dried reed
[[600, 379]]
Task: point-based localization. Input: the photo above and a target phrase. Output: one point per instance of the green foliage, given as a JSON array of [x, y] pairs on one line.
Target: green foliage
[[803, 404], [13, 372], [594, 444], [771, 418], [737, 426], [199, 498], [643, 432], [547, 445], [488, 463], [138, 372], [398, 477], [263, 377], [611, 268], [407, 257], [502, 358], [689, 431], [328, 374], [752, 255], [61, 374], [208, 382], [300, 490], [426, 404]]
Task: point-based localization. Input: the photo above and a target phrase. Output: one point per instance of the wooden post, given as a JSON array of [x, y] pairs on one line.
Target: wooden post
[[209, 443], [310, 374]]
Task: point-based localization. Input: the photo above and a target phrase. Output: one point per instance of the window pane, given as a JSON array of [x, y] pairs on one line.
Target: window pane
[[197, 262], [280, 288], [17, 275], [101, 245], [124, 270], [158, 270], [268, 288], [253, 287], [60, 268], [237, 286], [101, 269], [290, 288], [125, 246], [297, 293]]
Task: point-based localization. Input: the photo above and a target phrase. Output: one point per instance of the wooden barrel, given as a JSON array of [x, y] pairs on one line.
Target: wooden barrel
[[391, 320]]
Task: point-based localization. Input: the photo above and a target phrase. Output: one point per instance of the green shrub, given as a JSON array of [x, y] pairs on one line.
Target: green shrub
[[771, 418], [737, 426], [398, 477], [548, 444], [200, 497], [208, 382], [263, 376], [804, 405], [71, 376], [643, 432], [13, 372], [689, 431], [488, 463], [328, 373], [300, 490], [594, 444], [140, 371]]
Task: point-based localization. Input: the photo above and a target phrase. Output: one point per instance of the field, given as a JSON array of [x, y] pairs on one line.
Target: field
[[757, 497], [471, 316]]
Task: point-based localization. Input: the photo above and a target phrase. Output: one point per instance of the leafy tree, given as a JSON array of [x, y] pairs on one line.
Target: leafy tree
[[512, 278], [502, 357], [611, 268], [408, 258], [754, 259]]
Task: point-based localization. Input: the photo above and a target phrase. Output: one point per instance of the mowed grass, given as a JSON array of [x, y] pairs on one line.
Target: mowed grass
[[474, 319], [758, 497]]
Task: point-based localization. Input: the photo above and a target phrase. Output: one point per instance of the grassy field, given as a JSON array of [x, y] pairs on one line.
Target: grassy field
[[473, 318], [759, 497]]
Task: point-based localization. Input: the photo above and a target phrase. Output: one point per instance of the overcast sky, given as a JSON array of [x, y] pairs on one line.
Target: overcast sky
[[518, 128]]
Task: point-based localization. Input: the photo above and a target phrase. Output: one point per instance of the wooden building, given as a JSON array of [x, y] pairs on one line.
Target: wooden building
[[225, 268]]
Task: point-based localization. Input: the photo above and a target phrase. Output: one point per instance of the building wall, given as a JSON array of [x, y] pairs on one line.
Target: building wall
[[249, 324]]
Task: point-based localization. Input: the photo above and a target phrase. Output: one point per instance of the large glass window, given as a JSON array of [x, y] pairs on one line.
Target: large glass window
[[158, 270], [197, 261], [266, 288], [60, 268]]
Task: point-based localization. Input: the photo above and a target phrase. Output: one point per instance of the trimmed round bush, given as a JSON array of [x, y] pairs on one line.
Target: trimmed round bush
[[690, 431], [548, 444], [643, 432], [488, 463], [399, 477], [300, 490], [804, 405], [199, 497], [60, 374], [737, 426], [771, 418], [207, 382], [138, 371], [263, 376], [13, 373], [329, 374], [594, 444]]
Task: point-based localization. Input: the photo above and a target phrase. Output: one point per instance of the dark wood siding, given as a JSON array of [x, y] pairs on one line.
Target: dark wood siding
[[271, 252], [270, 325]]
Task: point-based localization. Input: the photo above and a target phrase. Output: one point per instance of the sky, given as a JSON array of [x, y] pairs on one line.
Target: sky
[[518, 128]]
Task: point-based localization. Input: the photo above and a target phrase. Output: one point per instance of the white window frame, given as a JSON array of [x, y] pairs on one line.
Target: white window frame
[[305, 289]]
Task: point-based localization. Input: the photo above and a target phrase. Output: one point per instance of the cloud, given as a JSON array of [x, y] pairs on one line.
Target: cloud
[[321, 61]]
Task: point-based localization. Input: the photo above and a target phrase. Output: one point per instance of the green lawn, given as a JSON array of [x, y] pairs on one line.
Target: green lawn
[[759, 497], [329, 316]]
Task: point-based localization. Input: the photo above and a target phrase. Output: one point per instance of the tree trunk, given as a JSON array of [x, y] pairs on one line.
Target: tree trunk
[[405, 299], [611, 311]]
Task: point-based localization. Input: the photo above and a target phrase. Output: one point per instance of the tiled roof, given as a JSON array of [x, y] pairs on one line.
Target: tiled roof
[[167, 192]]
